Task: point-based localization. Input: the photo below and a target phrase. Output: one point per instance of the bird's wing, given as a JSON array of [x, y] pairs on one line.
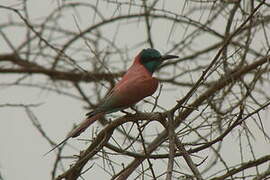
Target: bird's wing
[[127, 93]]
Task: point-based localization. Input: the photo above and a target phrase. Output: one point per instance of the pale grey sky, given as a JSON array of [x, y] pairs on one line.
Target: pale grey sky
[[21, 145]]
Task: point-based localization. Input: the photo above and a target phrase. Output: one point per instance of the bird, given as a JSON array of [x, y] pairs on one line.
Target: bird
[[136, 84]]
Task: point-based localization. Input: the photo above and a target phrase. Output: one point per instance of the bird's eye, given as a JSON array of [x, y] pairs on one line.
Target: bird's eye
[[150, 59]]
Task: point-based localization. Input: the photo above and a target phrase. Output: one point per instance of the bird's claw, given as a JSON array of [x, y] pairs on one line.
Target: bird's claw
[[135, 109], [125, 112]]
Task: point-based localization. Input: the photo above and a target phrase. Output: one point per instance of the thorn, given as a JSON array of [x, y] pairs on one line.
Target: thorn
[[187, 107]]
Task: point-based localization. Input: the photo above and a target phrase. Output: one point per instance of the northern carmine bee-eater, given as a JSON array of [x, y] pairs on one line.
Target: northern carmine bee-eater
[[135, 85]]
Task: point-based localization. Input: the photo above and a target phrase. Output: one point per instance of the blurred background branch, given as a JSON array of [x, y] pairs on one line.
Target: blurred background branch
[[209, 117]]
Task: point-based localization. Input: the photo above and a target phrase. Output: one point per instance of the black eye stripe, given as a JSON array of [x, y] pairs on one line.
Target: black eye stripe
[[145, 60]]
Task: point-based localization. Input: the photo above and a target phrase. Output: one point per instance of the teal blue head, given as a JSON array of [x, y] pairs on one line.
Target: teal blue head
[[152, 59]]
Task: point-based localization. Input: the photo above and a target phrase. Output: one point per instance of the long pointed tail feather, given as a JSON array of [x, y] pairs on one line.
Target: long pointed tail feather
[[84, 125], [58, 145], [79, 129]]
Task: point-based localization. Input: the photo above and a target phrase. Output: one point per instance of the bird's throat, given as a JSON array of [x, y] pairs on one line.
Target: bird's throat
[[151, 66]]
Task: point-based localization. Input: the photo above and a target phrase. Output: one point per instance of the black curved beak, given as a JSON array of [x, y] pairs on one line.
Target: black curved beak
[[166, 57]]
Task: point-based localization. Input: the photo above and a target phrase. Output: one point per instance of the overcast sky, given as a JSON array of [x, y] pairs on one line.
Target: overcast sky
[[21, 145]]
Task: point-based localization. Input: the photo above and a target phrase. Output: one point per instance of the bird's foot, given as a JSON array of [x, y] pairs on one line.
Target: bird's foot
[[135, 109], [125, 112]]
